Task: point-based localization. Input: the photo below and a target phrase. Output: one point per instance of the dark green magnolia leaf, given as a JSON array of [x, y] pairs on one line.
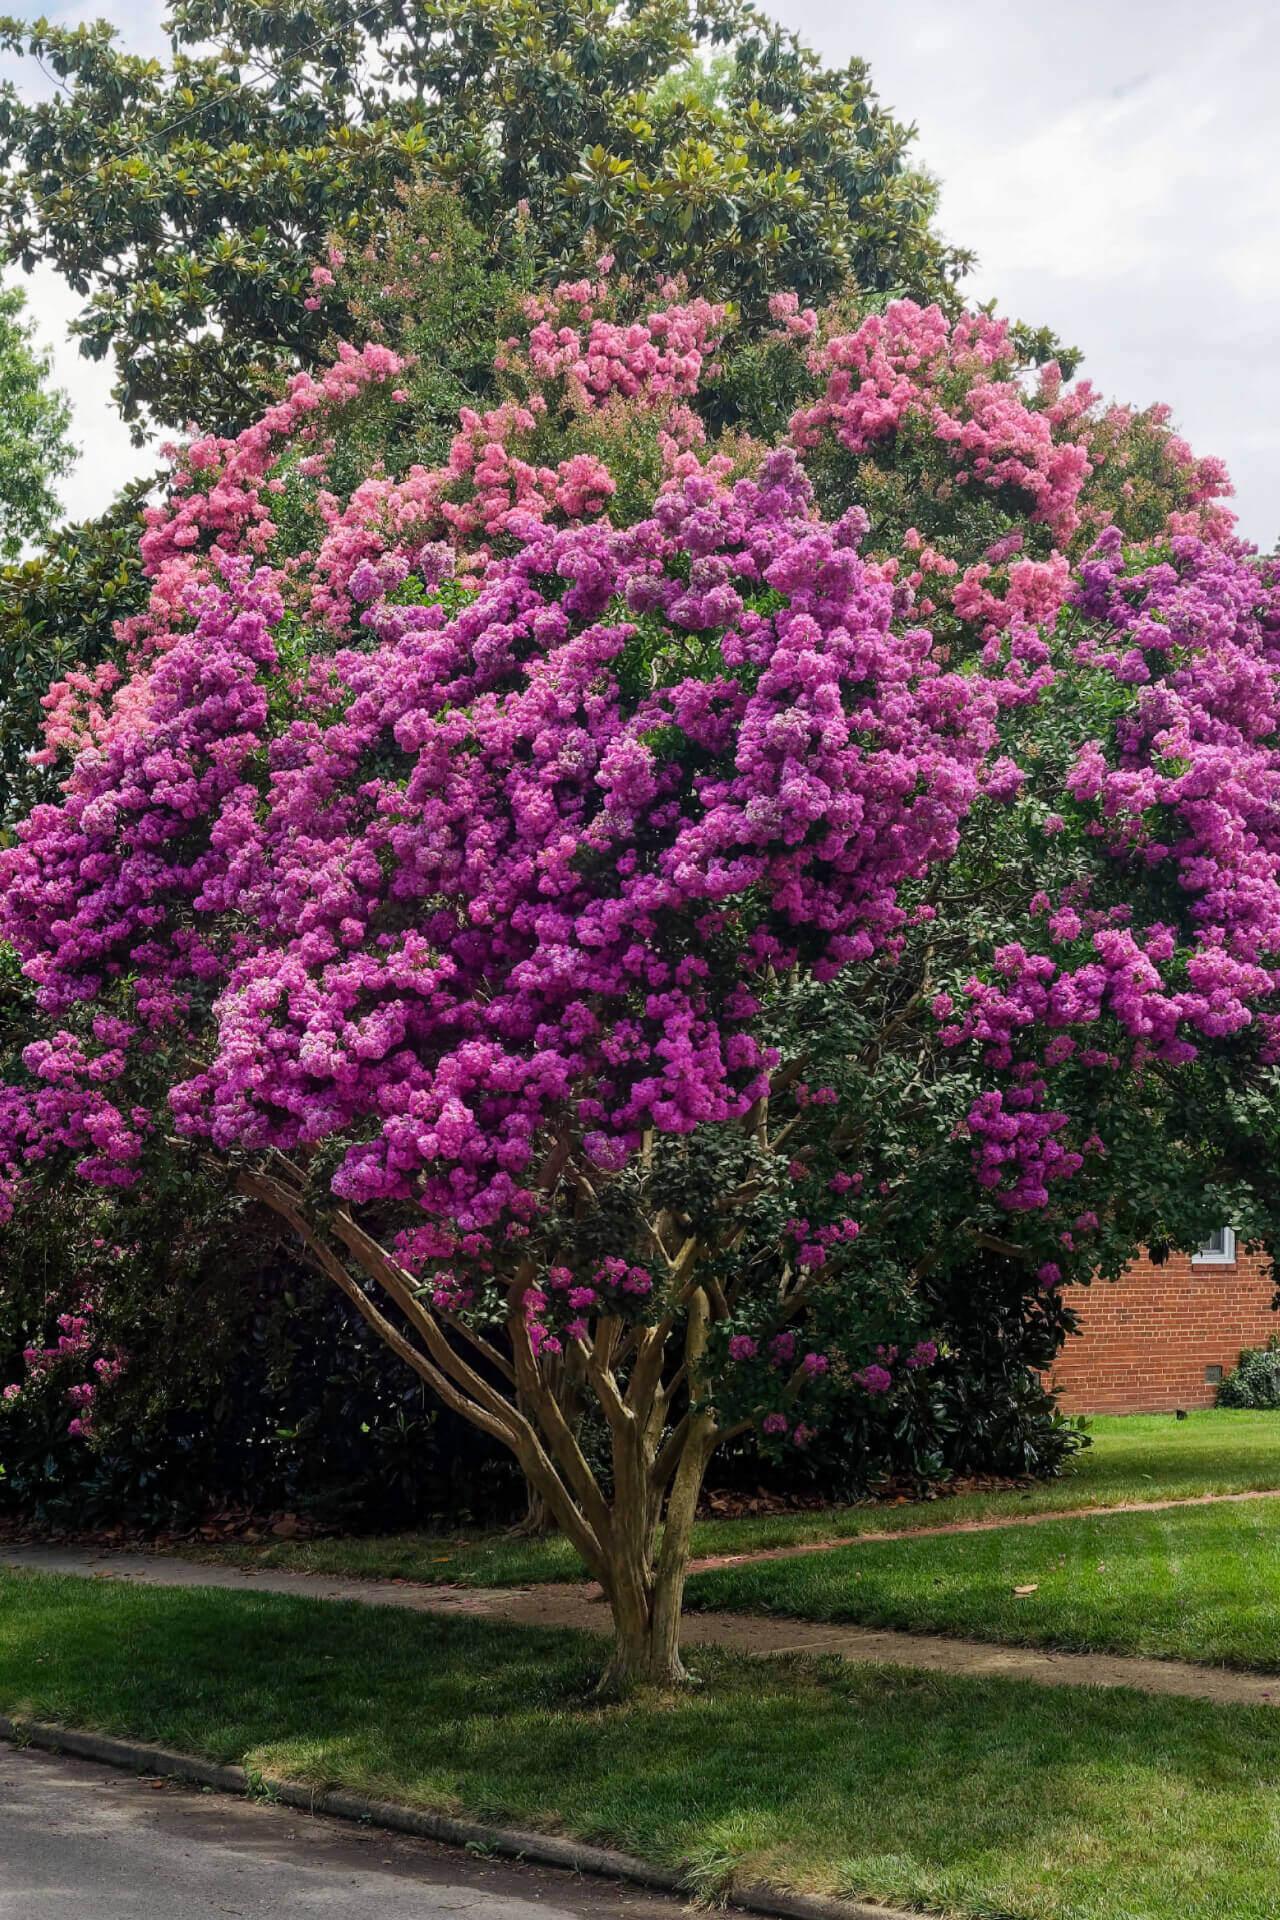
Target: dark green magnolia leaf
[[134, 161]]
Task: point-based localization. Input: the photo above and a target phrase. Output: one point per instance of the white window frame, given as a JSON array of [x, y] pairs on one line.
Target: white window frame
[[1209, 1256]]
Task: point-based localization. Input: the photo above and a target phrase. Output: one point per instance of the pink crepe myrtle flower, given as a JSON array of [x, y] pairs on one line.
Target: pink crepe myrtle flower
[[516, 849], [874, 1378]]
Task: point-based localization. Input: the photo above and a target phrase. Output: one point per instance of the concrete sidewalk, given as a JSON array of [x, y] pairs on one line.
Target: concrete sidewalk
[[572, 1607]]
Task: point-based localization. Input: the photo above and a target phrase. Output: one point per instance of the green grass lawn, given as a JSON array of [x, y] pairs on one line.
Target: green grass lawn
[[1197, 1584], [468, 1560], [1140, 1457], [992, 1800]]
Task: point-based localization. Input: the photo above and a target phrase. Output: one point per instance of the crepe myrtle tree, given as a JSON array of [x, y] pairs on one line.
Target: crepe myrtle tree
[[461, 950], [629, 947]]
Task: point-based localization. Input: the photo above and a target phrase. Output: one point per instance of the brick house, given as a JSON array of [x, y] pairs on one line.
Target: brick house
[[1162, 1337]]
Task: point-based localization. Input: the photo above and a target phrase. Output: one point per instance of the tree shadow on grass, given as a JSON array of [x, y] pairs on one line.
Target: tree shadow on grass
[[986, 1796]]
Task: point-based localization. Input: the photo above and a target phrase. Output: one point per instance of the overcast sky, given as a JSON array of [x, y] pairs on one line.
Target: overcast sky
[[1114, 163]]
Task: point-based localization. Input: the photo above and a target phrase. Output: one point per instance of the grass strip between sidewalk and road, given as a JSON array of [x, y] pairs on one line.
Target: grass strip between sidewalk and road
[[1138, 1457], [979, 1798], [1197, 1583]]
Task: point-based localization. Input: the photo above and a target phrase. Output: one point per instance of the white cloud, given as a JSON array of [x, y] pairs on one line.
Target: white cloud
[[1114, 165], [107, 457]]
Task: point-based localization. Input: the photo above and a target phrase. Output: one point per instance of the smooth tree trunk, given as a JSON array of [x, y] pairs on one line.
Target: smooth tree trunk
[[646, 1644], [636, 1537], [537, 1520], [644, 1587]]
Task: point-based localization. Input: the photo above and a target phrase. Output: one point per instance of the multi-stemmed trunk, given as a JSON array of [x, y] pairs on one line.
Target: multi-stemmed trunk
[[646, 1630], [644, 1576], [647, 1382]]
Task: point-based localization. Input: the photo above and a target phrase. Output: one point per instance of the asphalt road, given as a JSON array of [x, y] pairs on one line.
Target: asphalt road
[[80, 1840]]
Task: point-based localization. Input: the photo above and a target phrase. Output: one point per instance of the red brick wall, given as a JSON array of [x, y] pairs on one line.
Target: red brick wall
[[1146, 1339]]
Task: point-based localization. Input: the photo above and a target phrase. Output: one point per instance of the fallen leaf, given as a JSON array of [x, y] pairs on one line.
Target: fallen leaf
[[1034, 1588]]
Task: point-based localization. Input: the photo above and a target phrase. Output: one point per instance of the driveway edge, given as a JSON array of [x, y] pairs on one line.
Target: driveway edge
[[545, 1849]]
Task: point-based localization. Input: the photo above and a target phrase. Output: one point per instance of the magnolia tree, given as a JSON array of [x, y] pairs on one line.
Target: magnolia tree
[[181, 196], [631, 914]]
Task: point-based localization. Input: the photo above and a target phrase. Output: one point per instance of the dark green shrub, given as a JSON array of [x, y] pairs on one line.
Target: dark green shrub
[[246, 1380], [251, 1382], [983, 1408], [312, 1420], [1255, 1379]]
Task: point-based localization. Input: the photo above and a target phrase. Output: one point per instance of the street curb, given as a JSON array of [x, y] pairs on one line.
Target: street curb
[[545, 1849]]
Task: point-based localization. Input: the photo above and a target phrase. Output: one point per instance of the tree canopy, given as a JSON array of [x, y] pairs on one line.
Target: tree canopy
[[636, 894], [59, 611], [35, 453], [35, 447], [186, 200]]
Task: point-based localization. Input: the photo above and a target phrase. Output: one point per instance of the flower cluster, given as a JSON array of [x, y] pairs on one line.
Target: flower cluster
[[466, 845], [909, 363], [958, 382], [565, 1310], [1181, 797], [546, 959], [221, 499], [1053, 458], [951, 404], [656, 359], [68, 1352]]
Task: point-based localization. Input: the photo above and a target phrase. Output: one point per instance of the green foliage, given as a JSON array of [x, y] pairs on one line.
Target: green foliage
[[58, 610], [187, 200], [245, 1380], [982, 1409], [1038, 345], [432, 290], [35, 451], [1254, 1382]]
